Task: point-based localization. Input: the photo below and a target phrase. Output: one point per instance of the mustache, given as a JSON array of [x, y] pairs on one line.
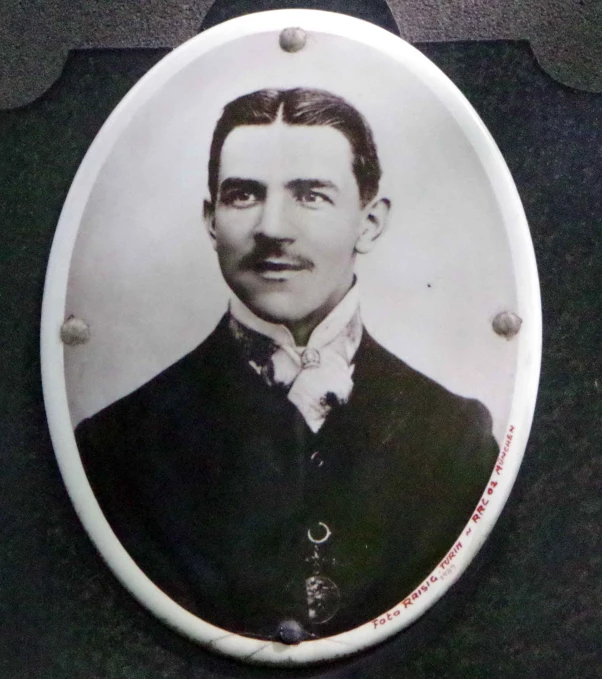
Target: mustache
[[274, 249]]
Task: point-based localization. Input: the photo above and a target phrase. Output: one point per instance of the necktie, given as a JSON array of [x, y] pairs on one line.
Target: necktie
[[316, 378]]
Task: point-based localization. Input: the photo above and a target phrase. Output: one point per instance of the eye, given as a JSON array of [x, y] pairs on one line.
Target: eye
[[239, 198], [312, 198]]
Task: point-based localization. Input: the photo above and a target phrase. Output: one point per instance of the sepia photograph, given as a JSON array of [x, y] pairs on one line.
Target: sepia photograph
[[291, 401]]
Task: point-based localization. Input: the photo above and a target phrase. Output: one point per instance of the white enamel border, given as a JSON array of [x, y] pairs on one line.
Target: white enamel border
[[529, 344]]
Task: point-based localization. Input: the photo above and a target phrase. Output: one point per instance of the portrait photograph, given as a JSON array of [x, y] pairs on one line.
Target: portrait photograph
[[293, 416]]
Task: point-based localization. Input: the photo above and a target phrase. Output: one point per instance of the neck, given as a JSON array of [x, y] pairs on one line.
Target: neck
[[301, 330], [318, 328]]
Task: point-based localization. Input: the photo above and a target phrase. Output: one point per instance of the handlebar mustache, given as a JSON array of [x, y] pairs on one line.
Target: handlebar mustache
[[268, 249]]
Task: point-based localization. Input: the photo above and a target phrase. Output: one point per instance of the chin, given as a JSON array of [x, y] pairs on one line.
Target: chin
[[276, 308]]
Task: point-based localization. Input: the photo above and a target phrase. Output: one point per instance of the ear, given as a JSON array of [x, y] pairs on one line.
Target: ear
[[374, 222], [209, 218]]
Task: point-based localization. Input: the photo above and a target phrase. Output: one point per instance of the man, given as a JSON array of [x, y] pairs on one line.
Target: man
[[290, 478]]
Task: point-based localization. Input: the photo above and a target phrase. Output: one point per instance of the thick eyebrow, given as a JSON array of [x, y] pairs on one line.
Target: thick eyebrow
[[302, 185], [242, 184]]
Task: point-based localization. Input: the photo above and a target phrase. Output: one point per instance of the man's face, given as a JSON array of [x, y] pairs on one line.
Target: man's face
[[287, 219]]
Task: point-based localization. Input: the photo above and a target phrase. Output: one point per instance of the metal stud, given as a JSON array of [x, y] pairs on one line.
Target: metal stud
[[507, 324], [290, 632], [75, 331], [293, 39]]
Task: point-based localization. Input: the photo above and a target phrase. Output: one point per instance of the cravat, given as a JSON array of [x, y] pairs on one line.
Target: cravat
[[316, 378]]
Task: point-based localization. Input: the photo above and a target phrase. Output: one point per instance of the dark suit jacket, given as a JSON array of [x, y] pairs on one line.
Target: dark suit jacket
[[211, 480]]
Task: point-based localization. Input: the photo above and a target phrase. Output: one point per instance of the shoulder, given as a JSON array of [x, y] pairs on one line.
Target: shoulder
[[443, 439], [413, 407], [392, 378], [188, 378]]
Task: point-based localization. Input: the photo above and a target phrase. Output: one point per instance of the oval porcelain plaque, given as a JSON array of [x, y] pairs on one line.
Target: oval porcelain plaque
[[291, 337]]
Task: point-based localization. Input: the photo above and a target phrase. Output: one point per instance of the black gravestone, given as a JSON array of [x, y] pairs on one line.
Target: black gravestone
[[531, 604]]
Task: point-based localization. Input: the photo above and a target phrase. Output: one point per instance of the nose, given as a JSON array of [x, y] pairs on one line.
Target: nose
[[274, 221]]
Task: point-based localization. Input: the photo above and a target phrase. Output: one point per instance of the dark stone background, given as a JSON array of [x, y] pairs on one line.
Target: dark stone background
[[531, 606]]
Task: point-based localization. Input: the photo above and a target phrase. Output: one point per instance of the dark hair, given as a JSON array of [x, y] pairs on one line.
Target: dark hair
[[301, 106]]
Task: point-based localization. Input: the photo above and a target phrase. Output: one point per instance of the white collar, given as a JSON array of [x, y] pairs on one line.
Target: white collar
[[315, 374]]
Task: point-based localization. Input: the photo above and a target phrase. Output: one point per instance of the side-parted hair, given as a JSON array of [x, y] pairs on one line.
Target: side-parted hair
[[301, 106]]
